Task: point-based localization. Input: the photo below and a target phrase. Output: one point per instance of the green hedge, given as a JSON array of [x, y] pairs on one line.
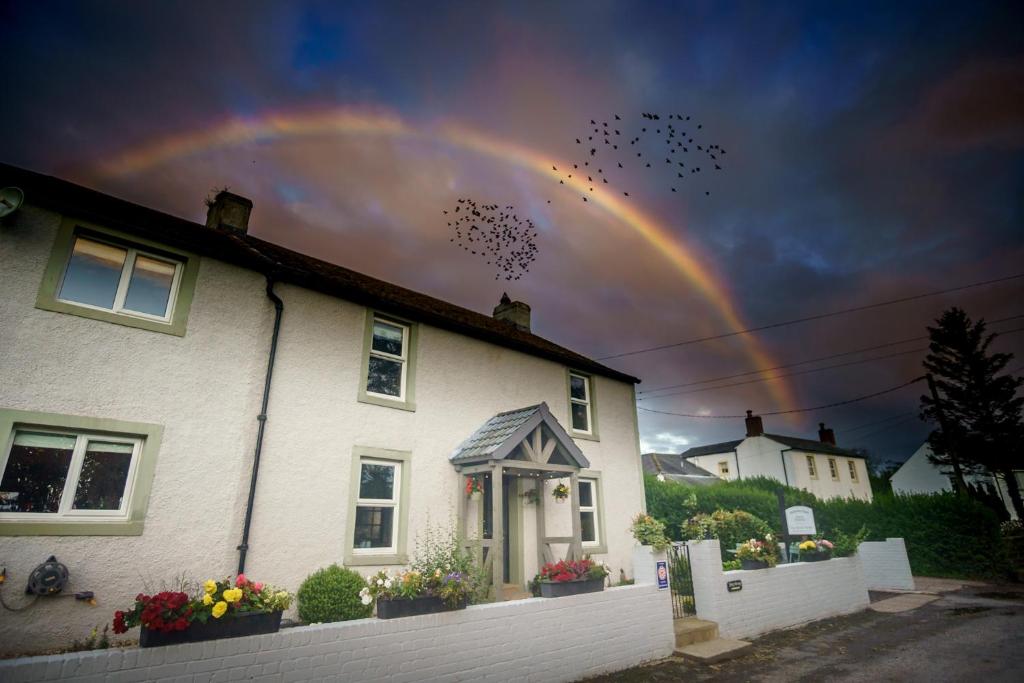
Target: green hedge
[[946, 535]]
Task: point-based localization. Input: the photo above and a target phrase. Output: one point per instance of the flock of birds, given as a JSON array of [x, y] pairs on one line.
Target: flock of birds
[[660, 144], [495, 234]]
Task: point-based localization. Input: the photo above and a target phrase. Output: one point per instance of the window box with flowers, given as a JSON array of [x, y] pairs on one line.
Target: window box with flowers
[[558, 579], [757, 554], [222, 611], [413, 593], [815, 550]]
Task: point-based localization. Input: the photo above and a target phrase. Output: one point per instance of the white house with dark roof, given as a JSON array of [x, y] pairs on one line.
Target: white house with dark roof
[[188, 399], [821, 467], [674, 467]]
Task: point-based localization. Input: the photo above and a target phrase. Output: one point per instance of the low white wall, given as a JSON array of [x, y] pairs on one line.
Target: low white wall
[[886, 566], [775, 598], [560, 639]]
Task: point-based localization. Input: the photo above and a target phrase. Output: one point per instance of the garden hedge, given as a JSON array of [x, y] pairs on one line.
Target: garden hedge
[[946, 535]]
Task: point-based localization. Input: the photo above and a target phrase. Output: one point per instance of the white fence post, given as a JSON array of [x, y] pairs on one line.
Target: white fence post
[[886, 565], [706, 570], [645, 559]]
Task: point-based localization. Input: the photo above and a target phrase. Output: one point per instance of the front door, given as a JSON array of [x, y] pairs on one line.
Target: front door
[[509, 524]]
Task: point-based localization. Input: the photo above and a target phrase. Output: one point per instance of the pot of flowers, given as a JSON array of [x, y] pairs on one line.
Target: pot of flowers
[[815, 550], [558, 579], [474, 488], [757, 554], [560, 493], [412, 593], [223, 611]]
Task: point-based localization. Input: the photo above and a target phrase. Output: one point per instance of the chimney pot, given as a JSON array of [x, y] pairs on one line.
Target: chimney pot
[[826, 435], [229, 212], [516, 313], [755, 427]]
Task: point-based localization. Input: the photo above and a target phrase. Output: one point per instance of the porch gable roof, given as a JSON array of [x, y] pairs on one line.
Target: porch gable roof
[[499, 437]]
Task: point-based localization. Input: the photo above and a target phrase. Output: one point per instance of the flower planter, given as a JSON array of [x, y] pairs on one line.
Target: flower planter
[[753, 564], [558, 589], [814, 557], [244, 624], [392, 609]]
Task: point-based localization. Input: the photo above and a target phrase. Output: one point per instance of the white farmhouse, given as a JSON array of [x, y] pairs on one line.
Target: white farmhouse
[[186, 399], [820, 466], [919, 475]]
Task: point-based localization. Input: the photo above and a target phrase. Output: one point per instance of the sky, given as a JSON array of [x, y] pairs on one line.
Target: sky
[[873, 151]]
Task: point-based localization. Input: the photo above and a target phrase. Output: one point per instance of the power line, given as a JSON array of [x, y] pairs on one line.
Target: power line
[[873, 423], [886, 428], [819, 358], [788, 412], [809, 318], [800, 372]]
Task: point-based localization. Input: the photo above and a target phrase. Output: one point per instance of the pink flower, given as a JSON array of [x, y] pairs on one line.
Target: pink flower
[[240, 581], [257, 587]]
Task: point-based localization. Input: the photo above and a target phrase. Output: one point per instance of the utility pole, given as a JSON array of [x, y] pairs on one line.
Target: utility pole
[[959, 486]]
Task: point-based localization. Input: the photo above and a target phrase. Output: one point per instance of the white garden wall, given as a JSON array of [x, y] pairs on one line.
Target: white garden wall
[[560, 639], [775, 598], [886, 566]]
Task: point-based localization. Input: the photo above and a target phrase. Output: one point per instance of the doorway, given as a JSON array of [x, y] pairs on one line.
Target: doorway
[[511, 526]]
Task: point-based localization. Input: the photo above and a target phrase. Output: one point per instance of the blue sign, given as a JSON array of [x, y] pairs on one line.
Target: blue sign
[[662, 574]]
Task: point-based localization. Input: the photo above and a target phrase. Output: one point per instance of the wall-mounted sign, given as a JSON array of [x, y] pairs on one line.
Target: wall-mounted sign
[[662, 574], [735, 585], [800, 521]]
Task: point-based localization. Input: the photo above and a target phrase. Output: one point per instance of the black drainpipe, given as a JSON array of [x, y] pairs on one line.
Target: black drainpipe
[[737, 455], [782, 455], [243, 548]]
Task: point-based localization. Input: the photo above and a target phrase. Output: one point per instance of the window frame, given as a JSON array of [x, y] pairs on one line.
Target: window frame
[[852, 466], [393, 502], [407, 399], [833, 469], [723, 472], [600, 546], [590, 402], [396, 554], [182, 285], [129, 519], [812, 466]]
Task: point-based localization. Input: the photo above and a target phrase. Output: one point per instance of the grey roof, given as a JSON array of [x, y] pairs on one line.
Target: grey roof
[[712, 449], [672, 464], [499, 436]]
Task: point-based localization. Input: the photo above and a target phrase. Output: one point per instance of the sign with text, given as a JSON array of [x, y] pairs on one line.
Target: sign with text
[[662, 574], [734, 586], [800, 521]]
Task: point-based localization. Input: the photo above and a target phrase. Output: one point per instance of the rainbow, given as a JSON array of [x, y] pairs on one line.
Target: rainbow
[[357, 121]]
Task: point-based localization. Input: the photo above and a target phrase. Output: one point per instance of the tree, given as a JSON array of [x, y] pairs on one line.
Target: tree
[[977, 409]]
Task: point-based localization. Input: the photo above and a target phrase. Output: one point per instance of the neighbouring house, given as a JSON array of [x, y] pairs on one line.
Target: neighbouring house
[[920, 475], [145, 438], [673, 467], [821, 467]]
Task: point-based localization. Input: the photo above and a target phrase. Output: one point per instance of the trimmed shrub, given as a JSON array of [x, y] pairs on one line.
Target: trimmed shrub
[[730, 528], [332, 594], [946, 535]]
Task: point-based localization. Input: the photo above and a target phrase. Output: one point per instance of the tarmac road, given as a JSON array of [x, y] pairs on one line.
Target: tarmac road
[[972, 634]]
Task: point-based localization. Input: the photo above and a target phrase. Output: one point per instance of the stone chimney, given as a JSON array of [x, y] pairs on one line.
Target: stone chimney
[[826, 435], [228, 212], [754, 425], [515, 313]]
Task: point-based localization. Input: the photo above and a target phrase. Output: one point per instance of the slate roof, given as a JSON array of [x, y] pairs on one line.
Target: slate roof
[[672, 463], [808, 445], [712, 449], [288, 266], [499, 436]]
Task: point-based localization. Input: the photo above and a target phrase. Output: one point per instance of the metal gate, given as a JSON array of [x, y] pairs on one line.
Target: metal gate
[[680, 581]]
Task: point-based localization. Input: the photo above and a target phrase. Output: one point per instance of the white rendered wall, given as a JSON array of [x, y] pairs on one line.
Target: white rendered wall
[[824, 486], [205, 388], [918, 475], [886, 566], [784, 596], [560, 639]]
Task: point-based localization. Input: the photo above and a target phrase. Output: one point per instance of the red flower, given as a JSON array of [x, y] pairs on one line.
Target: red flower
[[180, 624], [240, 581], [119, 625]]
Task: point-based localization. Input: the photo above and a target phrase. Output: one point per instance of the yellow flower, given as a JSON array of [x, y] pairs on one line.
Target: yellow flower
[[210, 585], [219, 609], [233, 594], [207, 599]]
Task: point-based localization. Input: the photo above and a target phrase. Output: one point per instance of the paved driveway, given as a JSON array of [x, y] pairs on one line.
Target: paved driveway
[[975, 634]]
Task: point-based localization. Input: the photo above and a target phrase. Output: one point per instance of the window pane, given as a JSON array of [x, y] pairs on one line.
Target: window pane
[[36, 471], [373, 527], [150, 287], [579, 417], [588, 529], [385, 376], [377, 482], [387, 338], [104, 473], [586, 494], [93, 273], [578, 387]]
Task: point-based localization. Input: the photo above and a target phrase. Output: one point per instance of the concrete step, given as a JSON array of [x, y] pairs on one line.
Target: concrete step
[[513, 592], [715, 650], [692, 630]]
